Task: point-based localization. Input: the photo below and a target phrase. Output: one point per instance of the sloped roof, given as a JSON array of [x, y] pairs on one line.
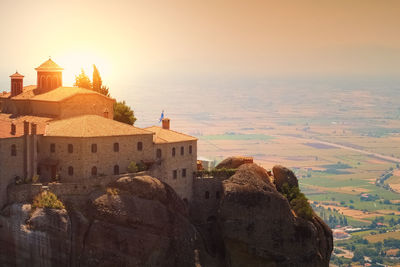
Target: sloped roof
[[49, 65], [5, 94], [62, 93], [17, 75], [27, 92], [168, 136], [91, 126], [7, 119]]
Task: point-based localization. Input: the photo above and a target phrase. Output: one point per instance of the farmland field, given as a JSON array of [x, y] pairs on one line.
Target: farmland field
[[342, 143]]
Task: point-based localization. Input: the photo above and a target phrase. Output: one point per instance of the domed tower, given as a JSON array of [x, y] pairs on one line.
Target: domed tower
[[49, 76], [17, 83]]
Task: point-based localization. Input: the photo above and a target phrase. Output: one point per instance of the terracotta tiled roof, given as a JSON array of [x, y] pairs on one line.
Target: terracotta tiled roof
[[27, 92], [168, 136], [5, 94], [49, 65], [62, 93], [17, 75], [91, 126], [7, 119]]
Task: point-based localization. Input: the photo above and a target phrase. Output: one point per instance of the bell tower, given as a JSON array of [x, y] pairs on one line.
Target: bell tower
[[17, 83], [49, 76]]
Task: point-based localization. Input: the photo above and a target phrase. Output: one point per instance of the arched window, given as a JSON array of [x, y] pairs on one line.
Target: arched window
[[48, 85], [54, 82], [173, 151], [175, 174], [70, 148], [13, 150], [158, 154], [182, 150], [183, 172], [116, 170], [94, 148], [207, 195], [139, 146], [42, 81], [190, 149], [94, 171], [70, 170], [116, 147]]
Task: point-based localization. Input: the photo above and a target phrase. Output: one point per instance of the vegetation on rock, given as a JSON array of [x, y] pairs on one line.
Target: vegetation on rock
[[47, 200], [298, 201]]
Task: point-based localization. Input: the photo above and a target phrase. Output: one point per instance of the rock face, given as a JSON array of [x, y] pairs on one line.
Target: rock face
[[283, 175], [140, 221], [134, 222], [260, 229], [233, 162]]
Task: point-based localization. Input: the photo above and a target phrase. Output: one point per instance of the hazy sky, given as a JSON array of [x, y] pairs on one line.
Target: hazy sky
[[137, 41]]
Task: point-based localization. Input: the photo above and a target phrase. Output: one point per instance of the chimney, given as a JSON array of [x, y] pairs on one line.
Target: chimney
[[33, 128], [17, 83], [13, 129], [165, 124], [26, 127]]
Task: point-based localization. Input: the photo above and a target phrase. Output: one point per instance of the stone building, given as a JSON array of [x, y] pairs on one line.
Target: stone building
[[51, 99], [67, 134]]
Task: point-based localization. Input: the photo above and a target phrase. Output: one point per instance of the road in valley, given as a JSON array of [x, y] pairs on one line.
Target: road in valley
[[368, 153]]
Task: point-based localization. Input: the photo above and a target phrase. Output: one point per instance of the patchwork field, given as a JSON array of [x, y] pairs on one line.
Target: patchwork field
[[342, 141]]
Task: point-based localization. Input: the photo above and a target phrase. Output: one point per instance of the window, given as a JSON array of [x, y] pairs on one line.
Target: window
[[70, 148], [116, 147], [52, 148], [217, 195], [116, 170], [139, 146], [207, 195], [158, 154], [94, 148], [183, 172], [70, 170], [173, 151], [13, 150], [190, 149], [94, 171], [182, 150], [175, 174]]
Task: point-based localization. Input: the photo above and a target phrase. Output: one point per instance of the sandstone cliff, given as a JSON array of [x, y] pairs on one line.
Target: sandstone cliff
[[140, 221]]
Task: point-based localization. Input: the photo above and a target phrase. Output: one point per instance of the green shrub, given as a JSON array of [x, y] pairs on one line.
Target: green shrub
[[132, 168], [141, 166], [35, 178], [47, 200], [298, 201]]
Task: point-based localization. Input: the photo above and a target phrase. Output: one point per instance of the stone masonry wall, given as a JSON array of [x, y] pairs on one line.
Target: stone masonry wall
[[82, 159], [86, 104], [10, 166], [163, 169]]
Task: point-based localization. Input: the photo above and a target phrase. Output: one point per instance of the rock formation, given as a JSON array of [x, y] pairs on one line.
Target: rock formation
[[140, 221], [260, 229]]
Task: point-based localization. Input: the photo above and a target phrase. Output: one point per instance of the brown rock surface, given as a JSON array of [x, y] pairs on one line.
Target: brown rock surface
[[260, 229], [232, 162], [283, 175], [140, 221]]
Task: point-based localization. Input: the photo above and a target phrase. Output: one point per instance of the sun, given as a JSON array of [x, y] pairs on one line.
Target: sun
[[74, 60]]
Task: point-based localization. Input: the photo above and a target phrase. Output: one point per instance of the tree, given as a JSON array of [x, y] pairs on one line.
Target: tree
[[83, 81], [97, 82], [123, 113]]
